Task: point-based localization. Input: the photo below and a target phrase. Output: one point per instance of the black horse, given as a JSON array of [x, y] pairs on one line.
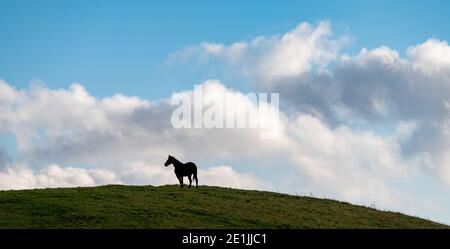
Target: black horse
[[182, 170]]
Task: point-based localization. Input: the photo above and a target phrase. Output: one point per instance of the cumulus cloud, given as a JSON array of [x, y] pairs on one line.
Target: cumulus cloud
[[432, 56], [354, 165], [375, 90], [20, 176], [227, 177], [127, 139], [72, 127], [62, 125], [270, 58], [140, 172]]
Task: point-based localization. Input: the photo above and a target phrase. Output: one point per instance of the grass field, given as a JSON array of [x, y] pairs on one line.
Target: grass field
[[171, 207]]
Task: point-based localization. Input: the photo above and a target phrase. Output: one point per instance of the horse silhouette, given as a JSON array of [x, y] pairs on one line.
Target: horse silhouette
[[182, 170]]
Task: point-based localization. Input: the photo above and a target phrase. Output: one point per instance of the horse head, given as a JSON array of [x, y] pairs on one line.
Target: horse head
[[169, 161]]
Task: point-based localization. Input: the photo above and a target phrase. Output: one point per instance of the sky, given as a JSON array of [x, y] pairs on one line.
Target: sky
[[85, 90], [109, 44]]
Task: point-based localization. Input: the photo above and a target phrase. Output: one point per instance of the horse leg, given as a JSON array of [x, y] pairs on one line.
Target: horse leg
[[190, 181], [196, 180], [180, 178]]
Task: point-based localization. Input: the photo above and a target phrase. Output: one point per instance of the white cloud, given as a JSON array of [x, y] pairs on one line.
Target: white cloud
[[19, 176], [352, 165], [127, 139], [7, 93], [272, 58], [432, 56], [225, 176], [382, 91], [140, 172], [374, 90], [296, 52]]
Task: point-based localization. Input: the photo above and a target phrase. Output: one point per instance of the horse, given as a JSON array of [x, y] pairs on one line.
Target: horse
[[182, 170]]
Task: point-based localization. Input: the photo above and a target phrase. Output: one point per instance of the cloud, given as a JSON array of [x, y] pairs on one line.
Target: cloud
[[432, 56], [353, 165], [140, 172], [379, 91], [55, 126], [72, 127], [21, 177], [126, 139], [271, 58], [227, 177], [375, 90]]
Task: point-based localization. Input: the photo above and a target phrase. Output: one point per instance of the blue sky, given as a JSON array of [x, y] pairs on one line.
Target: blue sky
[[399, 151], [122, 46]]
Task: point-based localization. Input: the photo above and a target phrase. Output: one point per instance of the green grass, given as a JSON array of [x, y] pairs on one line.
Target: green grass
[[171, 207]]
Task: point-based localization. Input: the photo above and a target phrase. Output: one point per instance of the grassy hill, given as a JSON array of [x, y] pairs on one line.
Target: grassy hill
[[171, 207]]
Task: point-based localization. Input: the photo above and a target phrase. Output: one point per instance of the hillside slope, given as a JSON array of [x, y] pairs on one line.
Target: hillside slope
[[171, 207]]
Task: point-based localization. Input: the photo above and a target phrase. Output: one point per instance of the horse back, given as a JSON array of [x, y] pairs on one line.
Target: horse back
[[186, 169], [191, 166]]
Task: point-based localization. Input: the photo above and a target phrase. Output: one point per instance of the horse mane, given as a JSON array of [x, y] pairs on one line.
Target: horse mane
[[175, 161]]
